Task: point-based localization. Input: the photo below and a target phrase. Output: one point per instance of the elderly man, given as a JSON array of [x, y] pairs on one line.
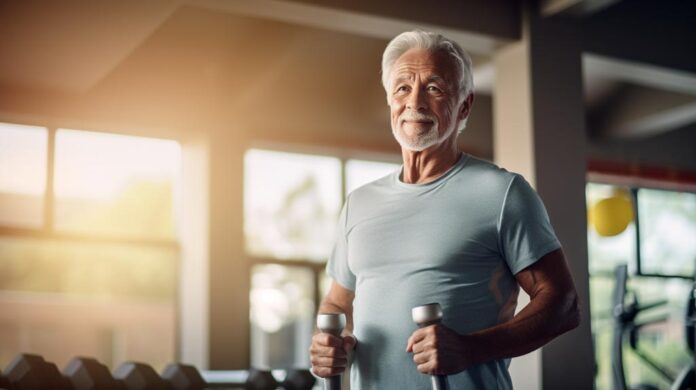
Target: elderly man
[[448, 228]]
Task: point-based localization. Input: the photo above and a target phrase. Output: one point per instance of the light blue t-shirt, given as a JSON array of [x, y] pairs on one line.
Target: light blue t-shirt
[[458, 241]]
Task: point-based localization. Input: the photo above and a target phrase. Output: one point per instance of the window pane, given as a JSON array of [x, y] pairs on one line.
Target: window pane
[[361, 172], [608, 247], [115, 185], [23, 151], [667, 231], [291, 204], [607, 244], [601, 324], [282, 316], [115, 302]]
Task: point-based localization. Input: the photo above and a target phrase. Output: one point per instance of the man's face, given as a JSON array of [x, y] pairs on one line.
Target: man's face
[[424, 99]]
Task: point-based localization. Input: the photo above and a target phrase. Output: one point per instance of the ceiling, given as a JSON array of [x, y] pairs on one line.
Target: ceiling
[[96, 48]]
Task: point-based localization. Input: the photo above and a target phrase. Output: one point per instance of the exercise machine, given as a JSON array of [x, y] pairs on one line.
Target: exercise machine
[[626, 308]]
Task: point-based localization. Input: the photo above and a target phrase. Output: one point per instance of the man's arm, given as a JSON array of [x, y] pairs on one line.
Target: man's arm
[[329, 354], [552, 310]]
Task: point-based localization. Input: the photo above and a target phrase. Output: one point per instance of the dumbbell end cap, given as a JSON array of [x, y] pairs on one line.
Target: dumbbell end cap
[[426, 314], [331, 321]]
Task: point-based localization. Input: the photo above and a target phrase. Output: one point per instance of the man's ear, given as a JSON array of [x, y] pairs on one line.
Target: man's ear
[[465, 108]]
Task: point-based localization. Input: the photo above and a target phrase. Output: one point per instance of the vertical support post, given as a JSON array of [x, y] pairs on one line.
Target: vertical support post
[[539, 131], [194, 216], [49, 193], [229, 266]]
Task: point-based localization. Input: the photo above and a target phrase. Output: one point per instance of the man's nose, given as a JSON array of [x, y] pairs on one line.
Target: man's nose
[[417, 100]]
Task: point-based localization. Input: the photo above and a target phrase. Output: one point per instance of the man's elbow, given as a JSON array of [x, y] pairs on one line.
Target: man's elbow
[[571, 314]]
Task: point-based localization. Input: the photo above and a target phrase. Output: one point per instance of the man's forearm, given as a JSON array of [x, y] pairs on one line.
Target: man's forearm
[[544, 318]]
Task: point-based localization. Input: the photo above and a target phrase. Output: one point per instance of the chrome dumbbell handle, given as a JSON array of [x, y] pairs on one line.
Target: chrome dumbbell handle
[[332, 323], [423, 316]]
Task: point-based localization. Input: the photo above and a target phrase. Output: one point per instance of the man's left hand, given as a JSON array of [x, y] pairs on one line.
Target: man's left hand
[[438, 350]]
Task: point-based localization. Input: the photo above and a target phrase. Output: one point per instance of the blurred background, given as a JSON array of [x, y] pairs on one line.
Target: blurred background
[[171, 171]]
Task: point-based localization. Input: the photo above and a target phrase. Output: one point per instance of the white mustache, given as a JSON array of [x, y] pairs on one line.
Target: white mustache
[[416, 116]]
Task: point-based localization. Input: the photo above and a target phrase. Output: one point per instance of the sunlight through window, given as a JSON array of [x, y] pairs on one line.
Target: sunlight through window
[[23, 152], [291, 203], [115, 185]]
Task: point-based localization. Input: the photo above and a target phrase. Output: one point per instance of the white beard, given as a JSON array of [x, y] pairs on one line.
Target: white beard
[[417, 143]]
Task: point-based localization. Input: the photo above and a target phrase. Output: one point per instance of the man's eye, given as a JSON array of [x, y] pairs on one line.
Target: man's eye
[[402, 88], [432, 88]]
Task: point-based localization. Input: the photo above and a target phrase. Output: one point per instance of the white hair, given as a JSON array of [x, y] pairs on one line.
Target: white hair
[[432, 42]]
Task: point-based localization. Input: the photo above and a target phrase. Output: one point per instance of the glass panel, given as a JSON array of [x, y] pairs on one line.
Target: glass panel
[[609, 243], [667, 231], [114, 302], [361, 172], [282, 316], [611, 234], [291, 204], [23, 153], [115, 185], [601, 288]]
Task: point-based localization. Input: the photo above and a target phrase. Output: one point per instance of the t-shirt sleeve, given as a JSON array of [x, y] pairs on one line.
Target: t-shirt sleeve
[[524, 229], [337, 266]]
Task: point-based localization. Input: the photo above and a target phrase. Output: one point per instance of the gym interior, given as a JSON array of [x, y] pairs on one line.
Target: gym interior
[[171, 172]]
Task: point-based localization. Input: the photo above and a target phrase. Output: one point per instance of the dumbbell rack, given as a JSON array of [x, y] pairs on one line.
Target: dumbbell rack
[[30, 372]]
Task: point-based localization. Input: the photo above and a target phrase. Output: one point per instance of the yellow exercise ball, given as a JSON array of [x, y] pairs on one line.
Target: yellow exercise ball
[[610, 216]]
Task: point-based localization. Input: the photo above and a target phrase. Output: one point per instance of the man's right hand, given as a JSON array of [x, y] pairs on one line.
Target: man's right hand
[[329, 353]]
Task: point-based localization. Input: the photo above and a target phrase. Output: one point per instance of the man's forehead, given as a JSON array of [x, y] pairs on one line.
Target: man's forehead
[[440, 64]]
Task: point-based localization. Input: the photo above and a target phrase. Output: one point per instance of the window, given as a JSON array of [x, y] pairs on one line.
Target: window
[[291, 202], [108, 184], [291, 207], [22, 174], [652, 232], [668, 232], [91, 258], [282, 315]]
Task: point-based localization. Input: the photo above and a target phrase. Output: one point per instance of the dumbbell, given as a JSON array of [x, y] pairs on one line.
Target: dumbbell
[[427, 315], [4, 383], [139, 376], [183, 377], [298, 379], [261, 380], [89, 374], [28, 371], [332, 323]]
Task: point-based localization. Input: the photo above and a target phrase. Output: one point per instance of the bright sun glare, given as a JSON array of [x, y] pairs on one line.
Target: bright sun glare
[[99, 166]]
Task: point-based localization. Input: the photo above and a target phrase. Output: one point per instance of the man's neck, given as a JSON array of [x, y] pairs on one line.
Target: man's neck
[[427, 165]]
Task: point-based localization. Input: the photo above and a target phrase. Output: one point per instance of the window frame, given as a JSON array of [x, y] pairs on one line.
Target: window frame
[[47, 229], [634, 184]]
